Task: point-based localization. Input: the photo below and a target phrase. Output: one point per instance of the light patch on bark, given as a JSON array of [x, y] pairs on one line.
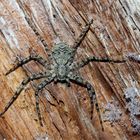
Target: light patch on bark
[[105, 43], [50, 11], [9, 34]]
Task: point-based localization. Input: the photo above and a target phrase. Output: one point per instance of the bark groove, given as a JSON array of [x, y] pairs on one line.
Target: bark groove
[[115, 32]]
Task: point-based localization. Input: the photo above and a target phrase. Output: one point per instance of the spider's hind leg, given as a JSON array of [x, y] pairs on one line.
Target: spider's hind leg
[[37, 107], [39, 88], [93, 99], [19, 90]]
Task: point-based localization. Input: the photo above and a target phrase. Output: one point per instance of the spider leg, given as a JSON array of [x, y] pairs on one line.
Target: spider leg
[[20, 88], [87, 60], [37, 58], [32, 25], [93, 99], [39, 88], [82, 35]]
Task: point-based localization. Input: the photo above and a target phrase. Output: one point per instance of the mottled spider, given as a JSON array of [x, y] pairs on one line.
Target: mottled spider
[[63, 70]]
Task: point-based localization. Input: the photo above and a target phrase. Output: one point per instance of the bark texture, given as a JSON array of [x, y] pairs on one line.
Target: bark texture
[[114, 33]]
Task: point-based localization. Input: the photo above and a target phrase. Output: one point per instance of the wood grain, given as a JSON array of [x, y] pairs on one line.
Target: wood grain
[[114, 33]]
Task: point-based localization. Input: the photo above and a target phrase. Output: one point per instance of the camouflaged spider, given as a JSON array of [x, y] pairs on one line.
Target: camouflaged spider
[[63, 70]]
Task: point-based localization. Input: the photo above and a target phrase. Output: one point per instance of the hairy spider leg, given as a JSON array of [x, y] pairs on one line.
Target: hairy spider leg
[[93, 99], [37, 58], [39, 88], [87, 60], [82, 36], [20, 88], [37, 33]]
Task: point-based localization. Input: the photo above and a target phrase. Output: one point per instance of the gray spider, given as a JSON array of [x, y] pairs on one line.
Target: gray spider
[[63, 69]]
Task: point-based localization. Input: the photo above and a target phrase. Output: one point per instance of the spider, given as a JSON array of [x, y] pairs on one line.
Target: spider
[[63, 69]]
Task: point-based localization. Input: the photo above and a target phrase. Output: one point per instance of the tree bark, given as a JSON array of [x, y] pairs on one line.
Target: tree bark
[[66, 110]]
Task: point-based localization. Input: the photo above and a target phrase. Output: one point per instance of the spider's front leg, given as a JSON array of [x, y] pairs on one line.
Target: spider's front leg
[[87, 60], [37, 58], [82, 35], [39, 88], [30, 22], [93, 100], [20, 88]]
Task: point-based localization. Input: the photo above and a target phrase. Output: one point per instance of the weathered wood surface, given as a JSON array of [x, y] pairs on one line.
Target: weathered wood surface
[[115, 32]]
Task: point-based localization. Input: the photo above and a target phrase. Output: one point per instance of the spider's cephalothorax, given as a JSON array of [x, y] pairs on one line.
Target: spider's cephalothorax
[[62, 69], [62, 53]]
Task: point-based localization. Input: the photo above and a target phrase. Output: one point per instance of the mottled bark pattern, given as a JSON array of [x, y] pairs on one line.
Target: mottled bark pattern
[[66, 110]]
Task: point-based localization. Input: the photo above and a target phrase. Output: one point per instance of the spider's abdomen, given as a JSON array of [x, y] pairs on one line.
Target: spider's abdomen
[[62, 72]]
